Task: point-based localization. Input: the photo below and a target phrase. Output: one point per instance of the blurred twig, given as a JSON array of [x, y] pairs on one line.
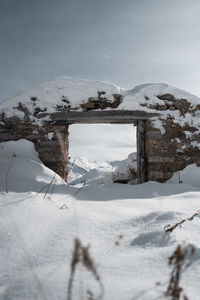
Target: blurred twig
[[169, 228], [64, 151], [177, 261], [81, 255], [47, 186]]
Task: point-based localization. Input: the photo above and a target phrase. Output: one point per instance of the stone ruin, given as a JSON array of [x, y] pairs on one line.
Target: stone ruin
[[167, 120]]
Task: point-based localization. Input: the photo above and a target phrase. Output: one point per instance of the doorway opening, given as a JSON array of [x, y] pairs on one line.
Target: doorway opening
[[103, 147]]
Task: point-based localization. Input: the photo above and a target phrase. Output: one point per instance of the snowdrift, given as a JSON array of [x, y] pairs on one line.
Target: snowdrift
[[124, 225]]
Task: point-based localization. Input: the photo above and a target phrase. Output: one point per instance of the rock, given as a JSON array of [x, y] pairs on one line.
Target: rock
[[167, 97]]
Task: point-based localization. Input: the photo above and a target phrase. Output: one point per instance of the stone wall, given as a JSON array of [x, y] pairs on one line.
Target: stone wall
[[166, 144], [175, 148], [46, 139]]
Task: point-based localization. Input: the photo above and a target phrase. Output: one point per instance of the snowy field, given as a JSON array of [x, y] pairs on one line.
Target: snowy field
[[124, 225]]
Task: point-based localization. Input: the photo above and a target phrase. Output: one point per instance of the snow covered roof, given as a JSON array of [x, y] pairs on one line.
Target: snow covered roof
[[77, 91], [66, 93], [57, 92]]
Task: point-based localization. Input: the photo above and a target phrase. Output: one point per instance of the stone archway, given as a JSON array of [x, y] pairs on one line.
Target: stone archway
[[137, 118]]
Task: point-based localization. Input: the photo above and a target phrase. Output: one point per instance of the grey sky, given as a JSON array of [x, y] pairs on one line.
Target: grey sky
[[126, 42]]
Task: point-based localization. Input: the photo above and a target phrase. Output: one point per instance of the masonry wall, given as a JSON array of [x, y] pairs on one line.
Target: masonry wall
[[169, 145], [50, 142], [169, 152]]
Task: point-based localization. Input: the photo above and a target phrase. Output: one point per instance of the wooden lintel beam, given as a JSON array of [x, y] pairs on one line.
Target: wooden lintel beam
[[141, 152], [92, 117]]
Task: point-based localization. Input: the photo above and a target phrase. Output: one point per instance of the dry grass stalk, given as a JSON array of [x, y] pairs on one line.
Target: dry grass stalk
[[9, 167], [52, 191], [90, 295], [177, 261], [64, 206], [53, 181], [64, 151], [78, 191], [48, 186], [82, 255], [169, 228], [179, 177]]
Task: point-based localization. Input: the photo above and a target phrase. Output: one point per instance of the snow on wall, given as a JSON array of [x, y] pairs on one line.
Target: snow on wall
[[61, 91], [66, 93]]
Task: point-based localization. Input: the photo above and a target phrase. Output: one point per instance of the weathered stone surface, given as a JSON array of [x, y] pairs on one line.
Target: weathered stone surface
[[159, 176], [174, 150], [101, 103], [160, 159], [167, 97], [49, 150]]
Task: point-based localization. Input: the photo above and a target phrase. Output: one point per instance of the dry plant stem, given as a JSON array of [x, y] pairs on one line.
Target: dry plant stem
[[169, 228], [84, 183], [63, 150], [54, 185], [64, 206], [179, 177], [43, 188], [47, 185], [81, 255], [52, 181], [177, 260], [74, 262], [9, 167]]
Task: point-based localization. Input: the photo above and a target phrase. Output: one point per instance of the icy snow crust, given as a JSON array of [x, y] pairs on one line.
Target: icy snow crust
[[37, 231]]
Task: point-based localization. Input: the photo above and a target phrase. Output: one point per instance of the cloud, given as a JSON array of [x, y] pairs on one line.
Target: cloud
[[107, 56]]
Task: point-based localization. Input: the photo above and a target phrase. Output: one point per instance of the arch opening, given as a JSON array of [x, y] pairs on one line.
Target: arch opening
[[103, 144]]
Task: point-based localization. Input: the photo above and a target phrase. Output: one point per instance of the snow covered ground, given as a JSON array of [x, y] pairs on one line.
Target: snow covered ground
[[124, 225]]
